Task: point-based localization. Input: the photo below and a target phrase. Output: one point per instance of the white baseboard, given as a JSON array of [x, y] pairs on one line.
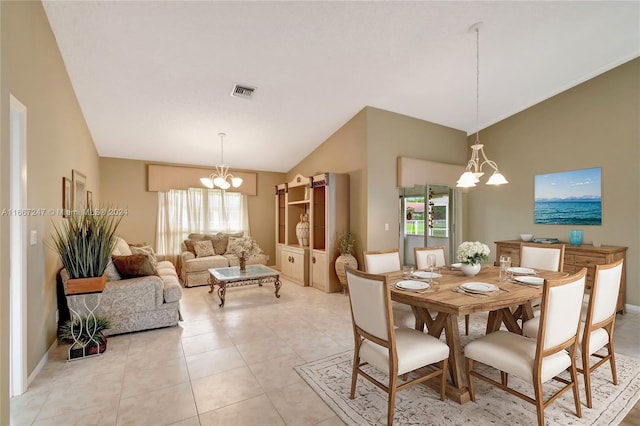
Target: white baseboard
[[41, 364], [632, 308]]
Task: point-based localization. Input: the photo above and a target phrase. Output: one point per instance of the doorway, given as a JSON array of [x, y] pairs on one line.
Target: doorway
[[18, 252], [427, 216]]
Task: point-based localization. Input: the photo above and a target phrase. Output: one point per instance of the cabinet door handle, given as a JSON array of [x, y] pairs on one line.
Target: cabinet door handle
[[313, 259], [293, 259]]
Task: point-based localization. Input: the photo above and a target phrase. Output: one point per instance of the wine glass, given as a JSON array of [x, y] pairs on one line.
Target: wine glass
[[431, 262]]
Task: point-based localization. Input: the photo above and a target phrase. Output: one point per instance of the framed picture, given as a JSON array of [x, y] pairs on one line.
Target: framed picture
[[89, 199], [79, 182], [569, 198], [66, 196]]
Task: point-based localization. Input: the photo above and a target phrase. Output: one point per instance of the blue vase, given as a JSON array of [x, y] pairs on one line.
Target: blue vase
[[575, 237]]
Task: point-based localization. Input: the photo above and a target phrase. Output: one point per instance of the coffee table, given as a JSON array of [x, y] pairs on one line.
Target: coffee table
[[233, 277]]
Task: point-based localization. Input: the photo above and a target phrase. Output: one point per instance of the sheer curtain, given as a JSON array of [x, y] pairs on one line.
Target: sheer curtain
[[197, 210]]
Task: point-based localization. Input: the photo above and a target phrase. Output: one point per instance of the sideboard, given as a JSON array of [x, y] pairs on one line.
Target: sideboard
[[576, 258]]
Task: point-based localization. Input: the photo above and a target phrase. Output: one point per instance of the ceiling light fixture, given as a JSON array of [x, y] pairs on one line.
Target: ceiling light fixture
[[473, 172], [221, 177]]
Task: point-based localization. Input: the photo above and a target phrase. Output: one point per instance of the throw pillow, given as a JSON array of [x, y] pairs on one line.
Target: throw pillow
[[143, 249], [147, 250], [203, 248], [139, 245], [189, 246], [112, 272], [220, 242], [136, 265]]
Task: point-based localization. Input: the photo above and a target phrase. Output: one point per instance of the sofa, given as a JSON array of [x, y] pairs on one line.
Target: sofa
[[133, 304], [224, 251]]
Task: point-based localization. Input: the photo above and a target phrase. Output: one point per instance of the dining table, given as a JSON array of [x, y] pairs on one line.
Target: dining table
[[439, 307]]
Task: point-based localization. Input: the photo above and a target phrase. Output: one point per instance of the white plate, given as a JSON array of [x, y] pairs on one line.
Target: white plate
[[427, 274], [412, 285], [530, 280], [456, 265], [477, 287], [521, 271]]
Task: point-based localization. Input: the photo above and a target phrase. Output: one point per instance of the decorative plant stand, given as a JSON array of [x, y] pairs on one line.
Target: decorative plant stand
[[78, 349]]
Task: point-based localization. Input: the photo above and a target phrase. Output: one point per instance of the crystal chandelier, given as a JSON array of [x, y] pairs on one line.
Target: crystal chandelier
[[473, 172], [221, 177]]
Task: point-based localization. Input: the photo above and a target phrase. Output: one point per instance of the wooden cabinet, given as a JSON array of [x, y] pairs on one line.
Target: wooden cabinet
[[294, 261], [325, 199], [576, 258], [319, 270]]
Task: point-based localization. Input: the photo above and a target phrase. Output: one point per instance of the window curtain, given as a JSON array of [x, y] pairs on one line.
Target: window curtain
[[197, 210]]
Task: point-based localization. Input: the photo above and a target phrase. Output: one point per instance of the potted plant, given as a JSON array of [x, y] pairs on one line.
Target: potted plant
[[85, 335], [471, 254], [346, 242], [84, 241]]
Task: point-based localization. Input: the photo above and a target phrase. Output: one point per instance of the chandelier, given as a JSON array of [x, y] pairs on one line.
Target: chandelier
[[473, 172], [221, 177]]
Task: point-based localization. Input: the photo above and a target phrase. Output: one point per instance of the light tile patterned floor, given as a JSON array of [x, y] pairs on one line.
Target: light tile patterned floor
[[220, 366]]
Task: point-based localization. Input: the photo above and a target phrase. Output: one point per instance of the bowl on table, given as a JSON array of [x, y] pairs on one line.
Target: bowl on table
[[526, 237]]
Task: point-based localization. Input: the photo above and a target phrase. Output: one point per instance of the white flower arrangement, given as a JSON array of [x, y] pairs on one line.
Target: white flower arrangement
[[473, 252], [243, 247]]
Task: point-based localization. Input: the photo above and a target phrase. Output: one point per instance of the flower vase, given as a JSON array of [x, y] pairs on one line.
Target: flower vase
[[243, 263], [470, 269], [342, 262]]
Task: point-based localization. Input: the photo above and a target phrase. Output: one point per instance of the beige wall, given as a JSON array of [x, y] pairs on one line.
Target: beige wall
[[367, 147], [596, 124], [57, 142], [124, 184], [389, 136]]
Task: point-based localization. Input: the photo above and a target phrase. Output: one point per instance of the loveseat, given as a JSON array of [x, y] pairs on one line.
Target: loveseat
[[133, 304], [224, 251]]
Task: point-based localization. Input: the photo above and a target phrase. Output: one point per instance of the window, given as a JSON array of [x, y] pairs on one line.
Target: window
[[198, 210]]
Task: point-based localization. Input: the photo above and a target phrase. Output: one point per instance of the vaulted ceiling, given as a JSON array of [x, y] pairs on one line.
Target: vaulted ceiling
[[154, 78]]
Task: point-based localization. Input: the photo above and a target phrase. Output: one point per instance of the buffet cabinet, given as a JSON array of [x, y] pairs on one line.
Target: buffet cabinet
[[324, 201], [576, 258]]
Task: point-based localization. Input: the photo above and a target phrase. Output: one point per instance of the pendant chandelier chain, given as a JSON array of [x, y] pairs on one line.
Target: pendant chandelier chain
[[473, 171], [477, 85]]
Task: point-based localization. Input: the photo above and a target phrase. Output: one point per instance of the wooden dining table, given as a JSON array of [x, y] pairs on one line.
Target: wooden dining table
[[439, 308]]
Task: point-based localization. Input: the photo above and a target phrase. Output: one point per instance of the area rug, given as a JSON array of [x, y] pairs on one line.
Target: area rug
[[419, 405]]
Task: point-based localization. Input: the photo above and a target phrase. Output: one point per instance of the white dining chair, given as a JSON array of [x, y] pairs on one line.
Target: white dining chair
[[385, 262], [549, 257], [395, 352], [382, 262], [420, 256], [536, 360], [597, 329]]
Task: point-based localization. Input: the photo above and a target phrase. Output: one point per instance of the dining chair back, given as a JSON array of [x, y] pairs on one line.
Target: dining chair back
[[597, 329], [420, 256], [381, 262], [599, 322], [553, 351], [384, 262], [549, 257], [395, 352]]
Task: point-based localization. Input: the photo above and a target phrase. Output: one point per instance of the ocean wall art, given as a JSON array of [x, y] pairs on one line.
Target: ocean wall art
[[569, 198]]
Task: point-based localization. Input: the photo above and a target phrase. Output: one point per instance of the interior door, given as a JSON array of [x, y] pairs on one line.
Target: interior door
[[426, 220]]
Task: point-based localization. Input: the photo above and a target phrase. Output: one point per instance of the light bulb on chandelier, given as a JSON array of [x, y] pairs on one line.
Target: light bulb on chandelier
[[473, 171], [221, 178]]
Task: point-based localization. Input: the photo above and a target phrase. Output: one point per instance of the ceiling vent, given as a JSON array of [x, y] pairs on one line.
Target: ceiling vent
[[242, 91]]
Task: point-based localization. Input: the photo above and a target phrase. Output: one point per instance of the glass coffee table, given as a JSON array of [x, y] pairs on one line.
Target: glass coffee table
[[233, 277]]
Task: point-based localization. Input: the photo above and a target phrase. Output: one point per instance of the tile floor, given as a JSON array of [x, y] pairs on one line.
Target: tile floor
[[229, 366]]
